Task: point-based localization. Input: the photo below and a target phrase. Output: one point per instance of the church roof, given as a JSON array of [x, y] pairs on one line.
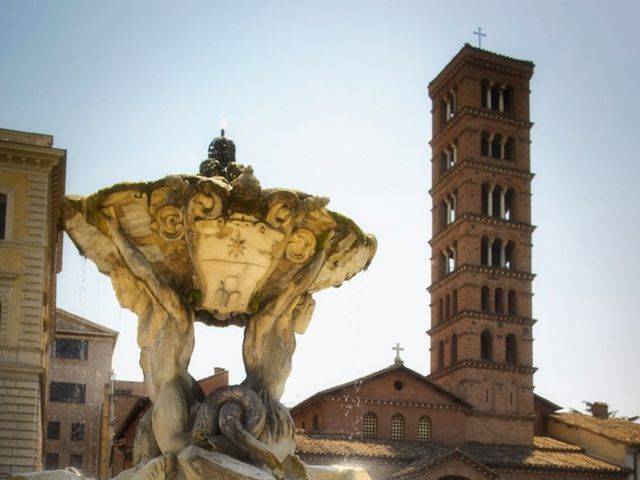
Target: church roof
[[546, 454], [68, 323], [620, 430], [391, 369]]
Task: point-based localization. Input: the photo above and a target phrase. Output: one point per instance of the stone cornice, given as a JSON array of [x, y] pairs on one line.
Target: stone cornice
[[396, 403], [510, 319], [472, 217], [480, 165], [501, 272], [20, 244], [483, 113], [36, 158], [507, 367]]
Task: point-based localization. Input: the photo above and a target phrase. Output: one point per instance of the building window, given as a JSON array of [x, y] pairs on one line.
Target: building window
[[495, 96], [511, 349], [51, 461], [3, 215], [397, 427], [484, 299], [77, 432], [447, 307], [484, 144], [67, 392], [75, 460], [497, 253], [441, 355], [369, 426], [447, 261], [498, 301], [510, 256], [454, 348], [496, 201], [508, 149], [53, 430], [454, 302], [70, 348], [315, 424], [497, 146], [486, 346], [511, 303], [424, 429]]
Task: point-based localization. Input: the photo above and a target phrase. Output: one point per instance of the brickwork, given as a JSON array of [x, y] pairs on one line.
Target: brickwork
[[481, 339]]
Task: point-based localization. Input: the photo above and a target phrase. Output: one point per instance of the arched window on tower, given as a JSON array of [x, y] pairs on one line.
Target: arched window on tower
[[454, 302], [424, 429], [485, 251], [443, 112], [444, 163], [495, 97], [511, 349], [369, 426], [440, 310], [444, 215], [507, 102], [447, 307], [484, 87], [485, 144], [496, 146], [509, 150], [397, 427], [454, 348], [486, 346], [510, 256], [511, 303], [496, 200], [484, 298], [496, 253], [508, 204], [440, 355], [498, 301]]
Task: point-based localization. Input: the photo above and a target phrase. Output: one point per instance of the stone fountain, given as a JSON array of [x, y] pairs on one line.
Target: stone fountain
[[217, 248]]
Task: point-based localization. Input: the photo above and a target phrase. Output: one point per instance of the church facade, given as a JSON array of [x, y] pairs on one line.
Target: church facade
[[475, 415]]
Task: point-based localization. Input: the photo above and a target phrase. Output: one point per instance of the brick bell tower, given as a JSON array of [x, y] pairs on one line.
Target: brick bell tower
[[481, 320]]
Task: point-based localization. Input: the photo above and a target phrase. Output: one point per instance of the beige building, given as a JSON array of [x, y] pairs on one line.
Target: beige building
[[79, 369], [32, 174], [614, 440]]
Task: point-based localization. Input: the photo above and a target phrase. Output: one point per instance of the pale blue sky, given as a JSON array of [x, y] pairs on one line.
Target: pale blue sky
[[330, 97]]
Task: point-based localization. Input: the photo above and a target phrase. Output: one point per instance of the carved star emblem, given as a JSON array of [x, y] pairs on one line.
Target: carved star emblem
[[237, 247]]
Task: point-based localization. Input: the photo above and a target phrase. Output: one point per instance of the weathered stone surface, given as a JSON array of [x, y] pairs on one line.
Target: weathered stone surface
[[335, 472], [187, 248], [200, 464], [66, 474]]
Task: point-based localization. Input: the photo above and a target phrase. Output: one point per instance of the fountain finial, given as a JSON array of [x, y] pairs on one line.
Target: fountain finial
[[221, 161]]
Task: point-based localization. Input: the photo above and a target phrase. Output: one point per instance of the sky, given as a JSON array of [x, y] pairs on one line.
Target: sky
[[331, 98]]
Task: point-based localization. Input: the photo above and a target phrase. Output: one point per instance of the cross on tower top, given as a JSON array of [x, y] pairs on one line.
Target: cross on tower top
[[480, 35], [398, 349]]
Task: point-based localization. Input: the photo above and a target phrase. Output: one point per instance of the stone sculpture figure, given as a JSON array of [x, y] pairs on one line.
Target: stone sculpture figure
[[217, 248]]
